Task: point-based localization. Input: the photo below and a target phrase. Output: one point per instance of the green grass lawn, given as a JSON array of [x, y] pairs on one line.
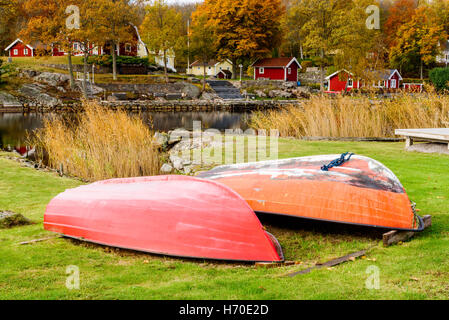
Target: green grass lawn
[[418, 269]]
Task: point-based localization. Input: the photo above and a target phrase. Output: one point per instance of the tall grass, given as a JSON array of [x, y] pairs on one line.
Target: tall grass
[[356, 116], [98, 144]]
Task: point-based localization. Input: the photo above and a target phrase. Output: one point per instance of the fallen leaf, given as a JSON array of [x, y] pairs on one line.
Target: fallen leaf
[[146, 261], [352, 259], [414, 279]]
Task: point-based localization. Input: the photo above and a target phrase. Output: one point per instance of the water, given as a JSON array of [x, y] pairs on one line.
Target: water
[[13, 126]]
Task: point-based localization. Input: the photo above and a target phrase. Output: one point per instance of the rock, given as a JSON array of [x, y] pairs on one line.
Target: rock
[[52, 79], [173, 96], [166, 168], [302, 92], [191, 91], [188, 169], [209, 96], [289, 85], [280, 94], [28, 73], [176, 162], [8, 100], [34, 92], [260, 94], [159, 95], [161, 138]]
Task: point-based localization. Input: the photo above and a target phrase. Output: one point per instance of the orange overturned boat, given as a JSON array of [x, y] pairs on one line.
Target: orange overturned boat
[[170, 215], [347, 189]]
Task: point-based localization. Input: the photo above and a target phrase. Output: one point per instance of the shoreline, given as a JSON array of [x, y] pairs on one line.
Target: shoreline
[[174, 105]]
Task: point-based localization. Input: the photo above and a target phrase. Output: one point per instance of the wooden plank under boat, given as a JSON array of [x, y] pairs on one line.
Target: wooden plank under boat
[[362, 191], [169, 215]]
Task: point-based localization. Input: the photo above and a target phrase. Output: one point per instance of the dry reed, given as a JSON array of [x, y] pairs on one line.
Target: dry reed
[[98, 144], [356, 117]]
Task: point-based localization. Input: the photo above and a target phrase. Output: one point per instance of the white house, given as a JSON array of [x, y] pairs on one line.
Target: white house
[[213, 68]]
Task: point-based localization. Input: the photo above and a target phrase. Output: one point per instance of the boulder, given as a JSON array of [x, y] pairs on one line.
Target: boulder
[[177, 162], [209, 96], [35, 92], [173, 96], [260, 93], [52, 79], [280, 94], [166, 169], [191, 91], [8, 100], [161, 139]]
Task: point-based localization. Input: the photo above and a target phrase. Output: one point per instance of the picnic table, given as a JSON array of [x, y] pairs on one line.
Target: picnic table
[[440, 135]]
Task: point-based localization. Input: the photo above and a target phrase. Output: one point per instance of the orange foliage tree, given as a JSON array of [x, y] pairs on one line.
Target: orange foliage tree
[[244, 28], [417, 41], [399, 14]]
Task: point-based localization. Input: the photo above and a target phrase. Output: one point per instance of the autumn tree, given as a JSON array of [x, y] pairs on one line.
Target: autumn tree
[[160, 29], [46, 23], [244, 29], [118, 17], [292, 24], [320, 29], [417, 41], [202, 40], [400, 13], [11, 20], [357, 52]]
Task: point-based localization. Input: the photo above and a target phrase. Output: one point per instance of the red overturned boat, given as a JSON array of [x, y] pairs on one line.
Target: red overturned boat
[[346, 189], [168, 215]]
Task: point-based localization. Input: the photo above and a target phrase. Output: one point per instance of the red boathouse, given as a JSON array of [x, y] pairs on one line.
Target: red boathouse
[[284, 69], [19, 49], [337, 81]]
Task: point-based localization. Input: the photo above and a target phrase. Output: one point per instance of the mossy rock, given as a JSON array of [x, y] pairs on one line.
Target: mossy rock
[[10, 219]]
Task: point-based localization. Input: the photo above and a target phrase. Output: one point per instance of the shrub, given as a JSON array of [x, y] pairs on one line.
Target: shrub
[[98, 144], [106, 60], [440, 78]]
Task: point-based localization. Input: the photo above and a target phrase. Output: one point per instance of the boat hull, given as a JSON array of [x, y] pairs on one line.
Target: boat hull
[[169, 215], [362, 191]]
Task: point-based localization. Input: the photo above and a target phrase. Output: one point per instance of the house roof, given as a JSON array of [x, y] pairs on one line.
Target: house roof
[[15, 42], [226, 72], [276, 62], [211, 63], [385, 74]]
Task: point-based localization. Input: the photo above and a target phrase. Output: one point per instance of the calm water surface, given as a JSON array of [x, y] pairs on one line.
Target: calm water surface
[[13, 126]]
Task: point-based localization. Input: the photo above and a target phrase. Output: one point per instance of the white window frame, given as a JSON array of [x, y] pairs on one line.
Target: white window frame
[[15, 52], [350, 83], [75, 46], [25, 51], [262, 70], [393, 83], [289, 70], [128, 47]]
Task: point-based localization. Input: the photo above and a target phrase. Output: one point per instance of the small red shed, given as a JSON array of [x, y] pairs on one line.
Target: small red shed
[[285, 69], [337, 81], [19, 49]]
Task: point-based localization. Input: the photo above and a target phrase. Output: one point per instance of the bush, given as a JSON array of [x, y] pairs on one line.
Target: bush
[[106, 61], [440, 78], [98, 144]]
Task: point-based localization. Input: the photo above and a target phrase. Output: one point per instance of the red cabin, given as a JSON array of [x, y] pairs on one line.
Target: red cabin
[[338, 80], [19, 49], [285, 69], [388, 79]]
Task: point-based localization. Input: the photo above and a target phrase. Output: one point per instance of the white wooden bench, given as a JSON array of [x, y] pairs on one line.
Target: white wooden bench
[[440, 135]]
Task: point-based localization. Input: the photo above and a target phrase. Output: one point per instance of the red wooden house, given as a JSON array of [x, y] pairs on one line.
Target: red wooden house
[[285, 69], [388, 78], [19, 49]]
